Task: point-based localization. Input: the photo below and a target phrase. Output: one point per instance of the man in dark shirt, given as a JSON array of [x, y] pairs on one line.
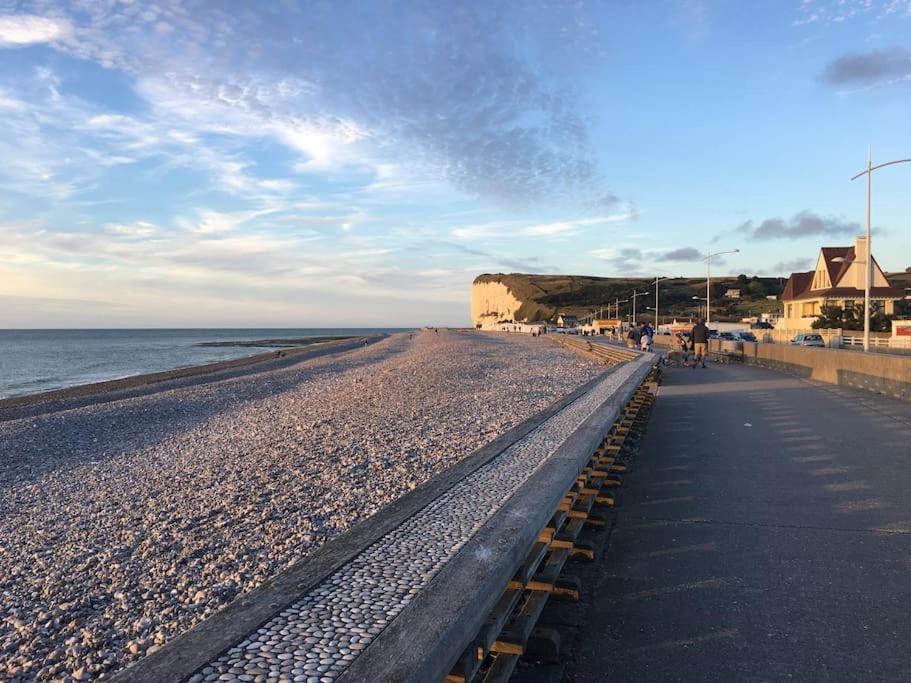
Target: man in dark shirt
[[700, 336]]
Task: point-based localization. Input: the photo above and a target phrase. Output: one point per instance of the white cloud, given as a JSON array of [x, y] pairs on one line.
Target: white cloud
[[211, 222], [27, 29], [445, 92], [552, 229], [139, 229], [561, 229], [180, 272], [11, 103]]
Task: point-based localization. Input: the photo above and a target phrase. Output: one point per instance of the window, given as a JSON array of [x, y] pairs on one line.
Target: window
[[821, 280], [790, 311], [810, 308]]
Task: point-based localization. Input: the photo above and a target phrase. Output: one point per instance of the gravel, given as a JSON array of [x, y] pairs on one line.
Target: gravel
[[124, 524], [327, 629]]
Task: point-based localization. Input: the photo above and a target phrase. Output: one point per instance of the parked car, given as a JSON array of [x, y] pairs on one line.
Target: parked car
[[762, 326], [808, 340], [729, 336], [746, 336]]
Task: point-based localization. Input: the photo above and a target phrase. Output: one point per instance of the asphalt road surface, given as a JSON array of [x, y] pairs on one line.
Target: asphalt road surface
[[764, 534]]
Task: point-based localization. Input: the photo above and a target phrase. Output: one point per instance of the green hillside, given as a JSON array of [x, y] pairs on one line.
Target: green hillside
[[546, 296]]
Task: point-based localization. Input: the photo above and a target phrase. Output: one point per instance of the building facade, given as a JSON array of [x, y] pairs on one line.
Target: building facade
[[837, 280]]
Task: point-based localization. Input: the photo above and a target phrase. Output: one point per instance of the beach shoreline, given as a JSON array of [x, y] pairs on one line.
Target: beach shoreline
[[27, 405], [143, 516]]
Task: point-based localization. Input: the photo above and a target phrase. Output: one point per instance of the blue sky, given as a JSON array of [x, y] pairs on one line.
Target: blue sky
[[354, 163]]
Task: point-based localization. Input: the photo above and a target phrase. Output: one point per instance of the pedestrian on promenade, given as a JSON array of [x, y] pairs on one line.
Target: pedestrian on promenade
[[682, 348], [645, 339], [700, 337], [632, 338], [645, 343]]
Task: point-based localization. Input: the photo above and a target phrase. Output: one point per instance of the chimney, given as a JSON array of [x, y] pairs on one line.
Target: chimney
[[860, 254]]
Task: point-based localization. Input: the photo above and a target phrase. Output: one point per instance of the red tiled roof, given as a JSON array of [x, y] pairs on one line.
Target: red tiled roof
[[799, 284], [837, 269], [796, 284]]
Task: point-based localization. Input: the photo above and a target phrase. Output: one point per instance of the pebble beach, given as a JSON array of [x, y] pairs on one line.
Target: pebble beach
[[123, 524]]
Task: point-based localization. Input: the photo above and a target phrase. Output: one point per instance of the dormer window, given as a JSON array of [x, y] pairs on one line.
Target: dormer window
[[821, 279]]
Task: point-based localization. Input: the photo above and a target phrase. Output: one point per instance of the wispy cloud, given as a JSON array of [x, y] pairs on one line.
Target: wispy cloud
[[869, 68], [787, 267], [841, 11], [803, 224], [636, 261], [558, 229], [491, 260], [476, 113], [683, 254]]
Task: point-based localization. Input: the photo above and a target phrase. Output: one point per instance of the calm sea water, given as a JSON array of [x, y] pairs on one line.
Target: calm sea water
[[40, 360]]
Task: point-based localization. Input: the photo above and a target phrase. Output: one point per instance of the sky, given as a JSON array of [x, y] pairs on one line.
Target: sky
[[332, 163]]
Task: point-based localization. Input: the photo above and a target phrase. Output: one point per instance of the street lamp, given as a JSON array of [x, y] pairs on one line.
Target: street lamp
[[868, 279], [657, 280], [634, 295], [617, 305], [708, 279], [700, 298]]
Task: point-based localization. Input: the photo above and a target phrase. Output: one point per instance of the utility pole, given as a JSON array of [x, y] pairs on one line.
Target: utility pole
[[617, 307], [658, 279], [708, 280], [657, 319], [635, 294]]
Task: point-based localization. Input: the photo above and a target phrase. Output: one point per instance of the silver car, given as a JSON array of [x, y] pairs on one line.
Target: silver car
[[808, 340]]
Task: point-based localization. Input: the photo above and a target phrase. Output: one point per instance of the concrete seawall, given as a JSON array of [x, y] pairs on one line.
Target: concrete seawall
[[879, 373]]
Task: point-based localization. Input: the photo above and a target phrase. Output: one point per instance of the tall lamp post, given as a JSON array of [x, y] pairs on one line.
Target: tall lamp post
[[708, 279], [617, 305], [658, 279], [868, 279], [634, 295], [701, 298]]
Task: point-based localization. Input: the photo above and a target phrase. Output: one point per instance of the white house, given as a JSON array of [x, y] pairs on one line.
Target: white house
[[837, 280]]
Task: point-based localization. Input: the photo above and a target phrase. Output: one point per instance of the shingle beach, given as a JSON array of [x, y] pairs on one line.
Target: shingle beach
[[123, 524]]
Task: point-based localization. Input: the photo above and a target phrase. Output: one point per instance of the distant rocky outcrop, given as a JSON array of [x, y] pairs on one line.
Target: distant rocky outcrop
[[520, 296]]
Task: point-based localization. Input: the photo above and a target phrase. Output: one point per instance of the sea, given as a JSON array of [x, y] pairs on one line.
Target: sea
[[32, 361]]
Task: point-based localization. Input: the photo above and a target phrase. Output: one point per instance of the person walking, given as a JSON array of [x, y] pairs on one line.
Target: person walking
[[700, 337], [645, 339], [682, 348]]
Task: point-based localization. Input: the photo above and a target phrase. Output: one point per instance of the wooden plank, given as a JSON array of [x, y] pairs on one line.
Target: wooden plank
[[530, 567], [513, 640], [494, 624], [466, 667], [502, 668]]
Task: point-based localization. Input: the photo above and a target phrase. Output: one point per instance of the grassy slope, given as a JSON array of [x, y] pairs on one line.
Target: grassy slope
[[547, 295]]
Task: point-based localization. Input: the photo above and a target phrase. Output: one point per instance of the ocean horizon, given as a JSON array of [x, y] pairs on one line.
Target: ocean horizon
[[38, 360]]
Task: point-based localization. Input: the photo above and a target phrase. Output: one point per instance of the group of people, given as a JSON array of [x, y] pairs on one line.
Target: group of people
[[698, 343], [642, 338]]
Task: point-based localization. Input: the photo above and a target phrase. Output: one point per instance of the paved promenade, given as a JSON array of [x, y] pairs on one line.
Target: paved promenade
[[764, 534]]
